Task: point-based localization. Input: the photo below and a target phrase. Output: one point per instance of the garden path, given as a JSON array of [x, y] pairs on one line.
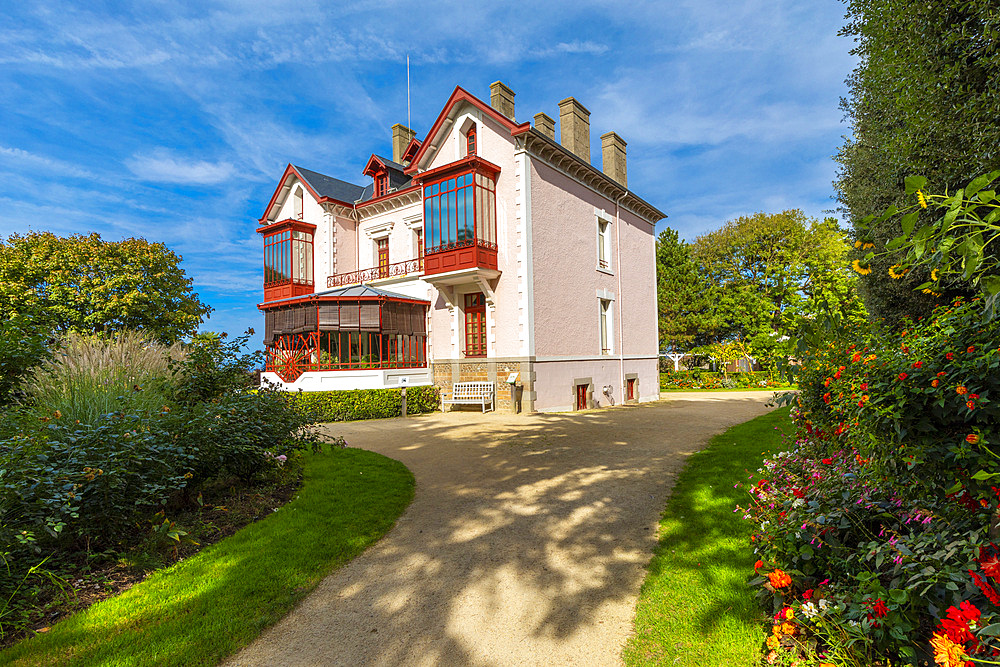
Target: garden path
[[526, 542]]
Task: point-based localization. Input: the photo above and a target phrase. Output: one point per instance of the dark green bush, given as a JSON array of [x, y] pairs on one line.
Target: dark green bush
[[23, 347], [356, 404]]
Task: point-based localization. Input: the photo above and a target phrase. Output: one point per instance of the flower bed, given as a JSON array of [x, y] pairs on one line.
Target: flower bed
[[699, 379], [878, 537]]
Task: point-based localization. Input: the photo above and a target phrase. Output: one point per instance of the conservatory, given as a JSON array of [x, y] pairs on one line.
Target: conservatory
[[350, 337]]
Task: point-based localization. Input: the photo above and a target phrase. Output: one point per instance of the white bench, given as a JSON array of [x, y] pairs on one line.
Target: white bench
[[472, 393]]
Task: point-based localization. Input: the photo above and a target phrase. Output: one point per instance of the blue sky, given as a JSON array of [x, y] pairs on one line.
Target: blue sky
[[173, 121]]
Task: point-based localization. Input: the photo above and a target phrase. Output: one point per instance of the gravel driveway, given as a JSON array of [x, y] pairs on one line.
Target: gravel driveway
[[525, 544]]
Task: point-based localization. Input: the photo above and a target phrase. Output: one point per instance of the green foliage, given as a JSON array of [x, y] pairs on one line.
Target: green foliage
[[213, 366], [684, 297], [948, 239], [355, 404], [85, 284], [699, 379], [772, 271], [23, 346], [891, 493], [923, 100], [88, 377]]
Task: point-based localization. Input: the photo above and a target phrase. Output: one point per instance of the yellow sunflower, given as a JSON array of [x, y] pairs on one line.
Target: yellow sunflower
[[863, 270]]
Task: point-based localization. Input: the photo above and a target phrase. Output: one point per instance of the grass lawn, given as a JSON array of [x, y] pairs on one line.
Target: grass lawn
[[695, 607], [209, 606]]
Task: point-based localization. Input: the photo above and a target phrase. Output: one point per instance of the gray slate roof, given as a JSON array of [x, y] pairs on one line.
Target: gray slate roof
[[327, 186], [361, 291]]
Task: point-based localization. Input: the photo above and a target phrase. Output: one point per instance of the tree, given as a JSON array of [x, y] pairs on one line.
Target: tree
[[923, 100], [769, 271], [85, 284], [686, 314]]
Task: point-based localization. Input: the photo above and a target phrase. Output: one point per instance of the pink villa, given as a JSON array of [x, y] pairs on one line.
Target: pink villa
[[487, 251]]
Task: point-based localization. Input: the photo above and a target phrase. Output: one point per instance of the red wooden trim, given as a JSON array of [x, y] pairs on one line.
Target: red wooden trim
[[370, 169], [274, 305], [462, 95], [468, 163], [411, 150], [471, 147], [396, 193], [287, 223]]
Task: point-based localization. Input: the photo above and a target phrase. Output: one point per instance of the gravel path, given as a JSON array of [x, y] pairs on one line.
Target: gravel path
[[526, 542]]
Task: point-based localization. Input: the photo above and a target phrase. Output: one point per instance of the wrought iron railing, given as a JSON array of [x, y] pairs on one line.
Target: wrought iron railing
[[464, 243], [375, 273]]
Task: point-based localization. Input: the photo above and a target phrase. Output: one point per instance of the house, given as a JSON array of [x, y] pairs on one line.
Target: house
[[483, 250]]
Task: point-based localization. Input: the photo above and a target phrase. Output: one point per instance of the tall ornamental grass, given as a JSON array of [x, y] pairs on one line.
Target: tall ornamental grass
[[90, 376]]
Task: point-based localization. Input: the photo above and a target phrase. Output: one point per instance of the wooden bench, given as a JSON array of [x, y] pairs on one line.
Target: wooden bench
[[472, 393]]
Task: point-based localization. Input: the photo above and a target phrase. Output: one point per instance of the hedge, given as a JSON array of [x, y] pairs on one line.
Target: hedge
[[356, 404]]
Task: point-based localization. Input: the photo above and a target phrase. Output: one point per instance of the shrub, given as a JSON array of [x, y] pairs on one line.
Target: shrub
[[213, 367], [23, 346], [88, 377], [885, 511], [355, 404]]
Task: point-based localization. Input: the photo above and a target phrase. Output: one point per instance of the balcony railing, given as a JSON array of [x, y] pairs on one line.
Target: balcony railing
[[376, 273]]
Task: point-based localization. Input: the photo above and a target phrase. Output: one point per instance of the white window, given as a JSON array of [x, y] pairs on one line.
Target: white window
[[603, 244], [297, 203], [606, 327]]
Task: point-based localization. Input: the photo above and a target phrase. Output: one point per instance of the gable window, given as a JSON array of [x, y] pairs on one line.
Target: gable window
[[475, 325], [297, 203], [605, 325], [470, 141], [603, 244]]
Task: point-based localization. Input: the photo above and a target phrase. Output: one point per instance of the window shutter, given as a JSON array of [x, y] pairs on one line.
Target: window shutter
[[370, 317], [350, 319], [268, 327], [329, 317]]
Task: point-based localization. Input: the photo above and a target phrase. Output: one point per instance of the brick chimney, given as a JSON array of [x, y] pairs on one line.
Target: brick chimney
[[545, 125], [613, 157], [502, 99], [574, 126], [401, 136]]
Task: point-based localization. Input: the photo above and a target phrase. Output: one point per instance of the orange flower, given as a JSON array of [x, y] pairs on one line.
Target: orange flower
[[759, 564], [970, 405], [779, 579], [935, 383], [946, 652], [903, 376], [960, 390]]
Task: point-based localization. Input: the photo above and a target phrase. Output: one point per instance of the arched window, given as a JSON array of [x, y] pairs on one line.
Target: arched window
[[470, 141]]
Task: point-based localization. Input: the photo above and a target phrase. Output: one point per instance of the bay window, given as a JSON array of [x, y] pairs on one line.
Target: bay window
[[288, 259]]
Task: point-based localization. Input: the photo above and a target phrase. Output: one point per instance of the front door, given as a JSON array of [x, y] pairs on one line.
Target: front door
[[581, 396]]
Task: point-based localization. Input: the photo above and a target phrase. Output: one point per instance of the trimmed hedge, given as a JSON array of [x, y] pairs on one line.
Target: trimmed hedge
[[357, 404], [702, 379]]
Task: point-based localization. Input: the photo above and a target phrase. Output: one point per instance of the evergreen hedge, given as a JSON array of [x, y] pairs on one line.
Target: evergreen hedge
[[356, 404]]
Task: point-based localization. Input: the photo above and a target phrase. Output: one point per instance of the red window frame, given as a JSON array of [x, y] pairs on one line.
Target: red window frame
[[475, 325], [288, 254], [420, 247], [382, 247], [460, 206], [470, 141]]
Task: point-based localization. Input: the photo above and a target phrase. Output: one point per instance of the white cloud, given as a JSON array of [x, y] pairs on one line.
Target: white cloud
[[163, 167]]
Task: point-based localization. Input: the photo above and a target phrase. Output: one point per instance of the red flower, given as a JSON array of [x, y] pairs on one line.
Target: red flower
[[879, 608], [837, 375], [972, 348], [856, 357], [941, 373], [808, 594], [903, 376], [974, 397], [918, 364], [798, 493], [864, 386], [828, 461], [961, 390], [970, 405], [826, 398], [956, 625], [759, 564], [972, 438], [987, 590], [949, 356]]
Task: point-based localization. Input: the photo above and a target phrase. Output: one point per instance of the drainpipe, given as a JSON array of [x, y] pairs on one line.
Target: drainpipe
[[621, 298]]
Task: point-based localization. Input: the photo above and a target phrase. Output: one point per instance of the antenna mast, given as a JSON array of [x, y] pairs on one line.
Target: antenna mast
[[408, 90]]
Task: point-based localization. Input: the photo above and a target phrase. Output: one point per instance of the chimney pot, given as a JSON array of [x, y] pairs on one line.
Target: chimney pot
[[574, 127], [613, 157], [401, 137], [545, 125], [502, 99]]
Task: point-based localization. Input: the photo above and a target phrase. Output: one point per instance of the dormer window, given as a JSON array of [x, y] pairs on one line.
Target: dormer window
[[381, 184], [470, 141]]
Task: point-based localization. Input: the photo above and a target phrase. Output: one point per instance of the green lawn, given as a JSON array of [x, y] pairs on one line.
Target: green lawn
[[209, 606], [695, 607]]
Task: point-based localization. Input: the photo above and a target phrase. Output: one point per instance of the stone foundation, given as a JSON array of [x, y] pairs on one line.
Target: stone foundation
[[446, 372]]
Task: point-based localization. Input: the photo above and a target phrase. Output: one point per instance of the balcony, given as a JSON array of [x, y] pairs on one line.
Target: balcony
[[409, 267], [460, 255]]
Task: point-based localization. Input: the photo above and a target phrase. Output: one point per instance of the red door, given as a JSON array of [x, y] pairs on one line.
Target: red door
[[630, 389], [581, 396]]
